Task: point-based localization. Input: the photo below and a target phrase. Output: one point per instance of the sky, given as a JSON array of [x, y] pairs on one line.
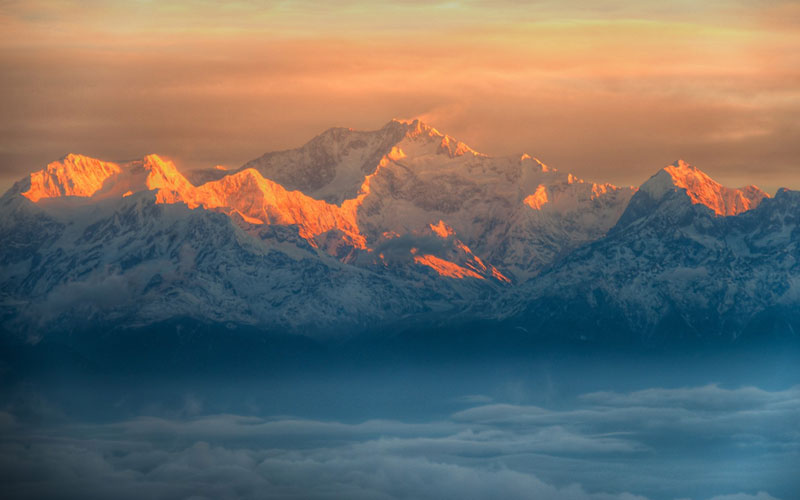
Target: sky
[[611, 90]]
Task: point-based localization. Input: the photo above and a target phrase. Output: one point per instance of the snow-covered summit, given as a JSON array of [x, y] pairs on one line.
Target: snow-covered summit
[[408, 175], [72, 175], [361, 227], [333, 165], [702, 189], [673, 269], [346, 189], [85, 177]]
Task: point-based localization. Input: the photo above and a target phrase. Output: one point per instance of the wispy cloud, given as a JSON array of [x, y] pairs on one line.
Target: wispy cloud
[[610, 90]]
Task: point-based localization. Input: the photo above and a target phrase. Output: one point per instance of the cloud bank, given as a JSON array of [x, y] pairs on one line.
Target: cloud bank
[[698, 442]]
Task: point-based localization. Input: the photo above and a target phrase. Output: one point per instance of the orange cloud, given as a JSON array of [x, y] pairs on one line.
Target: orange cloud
[[610, 91]]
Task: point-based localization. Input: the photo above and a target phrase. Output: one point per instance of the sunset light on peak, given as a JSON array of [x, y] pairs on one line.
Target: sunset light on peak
[[703, 190], [400, 249]]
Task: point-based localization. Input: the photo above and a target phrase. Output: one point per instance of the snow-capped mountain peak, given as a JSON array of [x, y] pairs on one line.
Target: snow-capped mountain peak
[[85, 177], [262, 201], [418, 130], [162, 175], [702, 189], [72, 175], [345, 188], [334, 165], [358, 227]]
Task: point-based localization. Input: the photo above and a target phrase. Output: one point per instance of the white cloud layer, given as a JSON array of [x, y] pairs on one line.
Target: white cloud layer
[[738, 444]]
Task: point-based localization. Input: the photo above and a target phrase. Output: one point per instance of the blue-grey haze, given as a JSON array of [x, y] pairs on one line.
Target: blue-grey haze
[[358, 419]]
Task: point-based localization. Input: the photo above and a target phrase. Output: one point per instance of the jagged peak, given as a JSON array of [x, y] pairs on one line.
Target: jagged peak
[[334, 140], [76, 158], [247, 173], [331, 132], [248, 176], [164, 176], [395, 125], [682, 172], [159, 166], [525, 157], [239, 184], [417, 129], [72, 175], [83, 176], [154, 160], [702, 189], [785, 195], [259, 200]]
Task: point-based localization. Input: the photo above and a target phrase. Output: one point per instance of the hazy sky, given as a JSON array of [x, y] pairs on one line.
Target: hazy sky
[[608, 89]]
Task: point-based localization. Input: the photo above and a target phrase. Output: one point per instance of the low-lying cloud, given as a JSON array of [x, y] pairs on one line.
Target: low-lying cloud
[[697, 442]]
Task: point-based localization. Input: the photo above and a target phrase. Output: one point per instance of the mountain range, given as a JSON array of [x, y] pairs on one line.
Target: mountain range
[[366, 231]]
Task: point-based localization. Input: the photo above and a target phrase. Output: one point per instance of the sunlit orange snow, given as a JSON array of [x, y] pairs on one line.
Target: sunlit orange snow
[[248, 196], [446, 268], [705, 191], [73, 175]]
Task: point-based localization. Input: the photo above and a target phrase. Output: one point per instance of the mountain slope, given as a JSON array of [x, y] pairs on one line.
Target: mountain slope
[[135, 261], [408, 175], [332, 166], [671, 187], [515, 213], [399, 226], [673, 267], [703, 190]]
